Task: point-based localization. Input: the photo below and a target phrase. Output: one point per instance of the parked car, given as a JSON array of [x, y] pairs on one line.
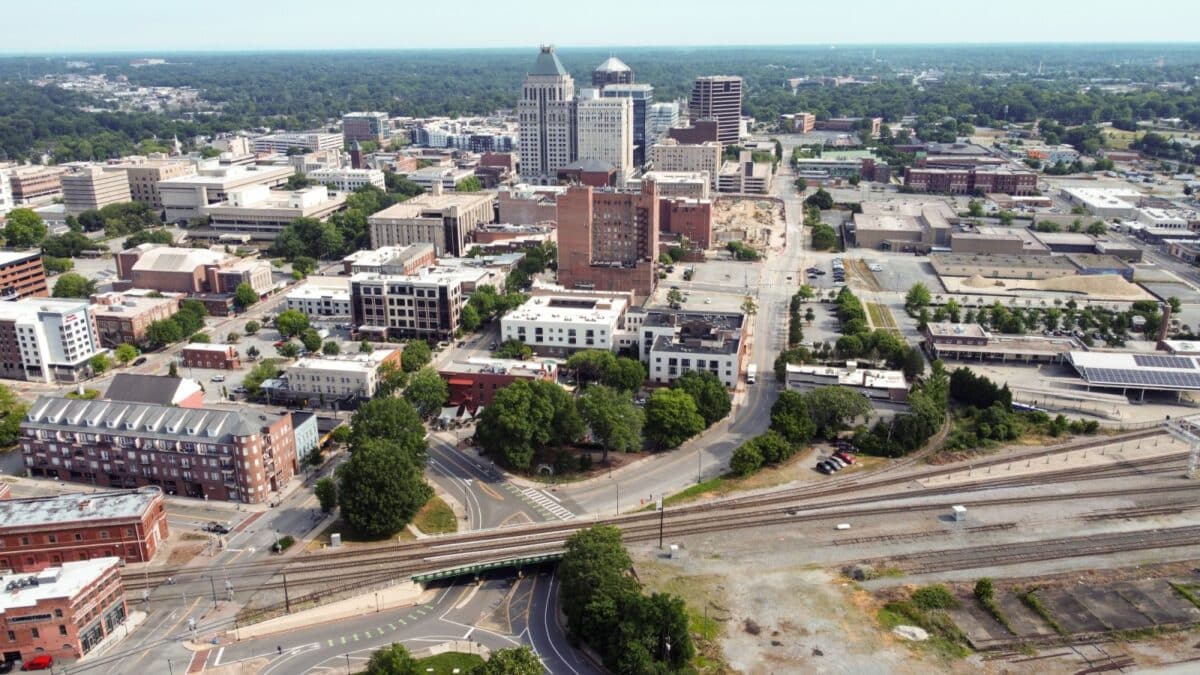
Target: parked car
[[837, 462], [492, 345], [216, 528], [139, 360], [217, 378], [845, 457], [39, 662], [240, 389], [279, 343], [833, 466], [821, 467], [6, 666]]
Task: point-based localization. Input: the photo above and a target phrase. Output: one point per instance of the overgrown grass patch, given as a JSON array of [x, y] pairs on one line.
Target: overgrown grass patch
[[436, 517]]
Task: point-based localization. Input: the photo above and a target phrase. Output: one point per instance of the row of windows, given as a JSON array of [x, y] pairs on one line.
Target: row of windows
[[29, 539]]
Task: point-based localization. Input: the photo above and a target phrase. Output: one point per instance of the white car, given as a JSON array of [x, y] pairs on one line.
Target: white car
[[876, 268]]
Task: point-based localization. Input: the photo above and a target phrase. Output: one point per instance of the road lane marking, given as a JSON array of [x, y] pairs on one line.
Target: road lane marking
[[392, 626], [217, 661]]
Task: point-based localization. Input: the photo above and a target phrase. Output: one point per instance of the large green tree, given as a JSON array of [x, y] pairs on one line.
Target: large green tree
[[625, 374], [672, 418], [12, 413], [831, 408], [291, 322], [72, 285], [381, 487], [790, 417], [311, 339], [525, 417], [415, 355], [712, 398], [245, 295], [511, 661], [918, 296], [393, 660], [309, 237], [24, 228], [615, 421], [427, 392], [392, 419]]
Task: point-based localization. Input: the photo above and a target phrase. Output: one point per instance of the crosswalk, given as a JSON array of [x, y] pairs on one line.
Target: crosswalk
[[543, 502]]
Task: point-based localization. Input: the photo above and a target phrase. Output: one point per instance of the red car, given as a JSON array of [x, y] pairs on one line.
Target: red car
[[39, 662], [279, 344], [845, 457]]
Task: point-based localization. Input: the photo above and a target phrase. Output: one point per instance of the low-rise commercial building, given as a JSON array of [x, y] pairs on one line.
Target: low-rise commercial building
[[310, 142], [557, 325], [212, 356], [885, 385], [342, 378], [689, 218], [391, 259], [93, 188], [124, 318], [40, 532], [972, 342], [1105, 202], [423, 305], [987, 240], [260, 213], [673, 342], [236, 455], [22, 275], [185, 198], [445, 177], [444, 220], [1094, 263], [474, 382], [902, 225], [348, 180], [529, 204], [321, 296], [47, 340], [33, 185], [181, 392], [998, 266], [1136, 371], [63, 611], [144, 174]]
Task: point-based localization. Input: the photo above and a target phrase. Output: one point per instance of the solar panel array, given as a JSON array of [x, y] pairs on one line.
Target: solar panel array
[[1142, 378], [1163, 361]]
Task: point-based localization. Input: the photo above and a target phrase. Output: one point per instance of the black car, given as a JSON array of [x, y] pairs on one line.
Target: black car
[[216, 528], [137, 362], [7, 666], [822, 467]]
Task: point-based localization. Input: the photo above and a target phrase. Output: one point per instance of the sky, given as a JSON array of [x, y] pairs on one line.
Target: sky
[[80, 26]]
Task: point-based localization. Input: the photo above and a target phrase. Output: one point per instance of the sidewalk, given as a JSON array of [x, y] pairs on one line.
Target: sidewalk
[[392, 597]]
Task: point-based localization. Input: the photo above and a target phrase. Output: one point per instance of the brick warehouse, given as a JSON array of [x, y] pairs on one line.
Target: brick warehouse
[[608, 240], [212, 453], [40, 532]]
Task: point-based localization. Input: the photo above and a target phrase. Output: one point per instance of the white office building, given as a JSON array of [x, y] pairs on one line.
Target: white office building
[[670, 155], [557, 325], [6, 197], [348, 180], [53, 339], [281, 143], [604, 130], [322, 296], [660, 117], [347, 376], [671, 343]]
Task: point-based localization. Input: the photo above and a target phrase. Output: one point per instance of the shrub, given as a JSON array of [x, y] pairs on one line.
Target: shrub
[[936, 596]]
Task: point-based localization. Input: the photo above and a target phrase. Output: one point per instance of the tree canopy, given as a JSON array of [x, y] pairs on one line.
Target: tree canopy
[[671, 418], [713, 401], [427, 392], [72, 285], [615, 422], [527, 416], [24, 228]]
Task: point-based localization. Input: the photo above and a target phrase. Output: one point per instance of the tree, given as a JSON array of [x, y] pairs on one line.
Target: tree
[[72, 285], [12, 413], [391, 379], [820, 199], [974, 209], [163, 332], [469, 319], [326, 491], [824, 237], [809, 315], [746, 459], [415, 355], [918, 296], [790, 417], [173, 370], [674, 296], [469, 184], [100, 363], [252, 327], [749, 307], [125, 353], [55, 265], [331, 348], [252, 352], [615, 421], [245, 295], [527, 416], [672, 418], [200, 338], [511, 661], [303, 266], [391, 419], [807, 292], [427, 391], [311, 339], [266, 370], [832, 407], [381, 487], [590, 365], [24, 228], [625, 374], [514, 349], [712, 398], [291, 322], [393, 660], [153, 236], [288, 350], [308, 237]]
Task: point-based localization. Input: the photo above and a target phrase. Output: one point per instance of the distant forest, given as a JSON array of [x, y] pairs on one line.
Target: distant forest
[[980, 85]]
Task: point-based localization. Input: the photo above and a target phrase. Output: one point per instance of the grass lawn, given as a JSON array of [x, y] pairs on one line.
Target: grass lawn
[[881, 317], [445, 664], [697, 592], [436, 517], [350, 537]]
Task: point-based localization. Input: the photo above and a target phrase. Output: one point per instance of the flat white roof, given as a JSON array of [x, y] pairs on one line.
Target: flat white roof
[[857, 377], [65, 581], [9, 256], [27, 309], [585, 309], [207, 347]]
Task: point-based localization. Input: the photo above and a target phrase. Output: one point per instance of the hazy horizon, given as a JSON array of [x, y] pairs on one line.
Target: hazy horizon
[[142, 26]]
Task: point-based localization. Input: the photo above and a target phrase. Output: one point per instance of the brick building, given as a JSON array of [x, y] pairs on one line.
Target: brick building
[[121, 318], [526, 205], [691, 218], [474, 382], [972, 179], [213, 356], [40, 532], [608, 241], [36, 184], [62, 612], [22, 275], [236, 455]]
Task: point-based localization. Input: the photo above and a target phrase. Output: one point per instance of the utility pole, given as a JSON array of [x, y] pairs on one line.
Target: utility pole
[[662, 514], [213, 584], [287, 602]]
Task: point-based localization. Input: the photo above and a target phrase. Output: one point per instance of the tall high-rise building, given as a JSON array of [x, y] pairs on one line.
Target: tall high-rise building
[[608, 240], [604, 130], [659, 118], [718, 97], [612, 71], [642, 96], [546, 114]]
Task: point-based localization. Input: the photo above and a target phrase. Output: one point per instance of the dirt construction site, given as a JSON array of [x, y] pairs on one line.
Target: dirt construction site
[[1091, 549], [758, 223]]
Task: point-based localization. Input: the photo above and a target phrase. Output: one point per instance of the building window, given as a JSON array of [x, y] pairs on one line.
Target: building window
[[62, 630], [35, 633], [78, 537]]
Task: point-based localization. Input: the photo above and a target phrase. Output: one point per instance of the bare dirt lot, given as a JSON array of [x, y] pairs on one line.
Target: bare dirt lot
[[755, 222]]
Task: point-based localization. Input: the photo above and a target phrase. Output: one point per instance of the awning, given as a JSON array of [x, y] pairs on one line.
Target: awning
[[460, 382]]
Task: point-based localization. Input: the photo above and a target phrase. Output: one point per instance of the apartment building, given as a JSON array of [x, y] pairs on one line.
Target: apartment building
[[557, 325], [348, 180], [94, 188], [62, 611], [321, 296], [528, 205], [971, 179], [718, 97], [124, 318], [310, 142], [186, 197], [144, 174], [365, 126], [234, 455], [47, 340], [423, 305], [608, 240], [40, 532], [687, 218], [673, 342], [22, 275], [445, 220], [670, 155]]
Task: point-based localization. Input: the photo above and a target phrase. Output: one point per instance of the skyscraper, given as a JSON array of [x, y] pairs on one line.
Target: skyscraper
[[604, 130], [546, 115], [612, 71], [659, 118], [642, 96], [718, 97]]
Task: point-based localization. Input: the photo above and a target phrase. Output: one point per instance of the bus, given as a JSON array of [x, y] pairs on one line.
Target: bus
[[751, 373]]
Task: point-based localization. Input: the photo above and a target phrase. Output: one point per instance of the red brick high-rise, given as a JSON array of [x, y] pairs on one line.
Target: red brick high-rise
[[608, 240]]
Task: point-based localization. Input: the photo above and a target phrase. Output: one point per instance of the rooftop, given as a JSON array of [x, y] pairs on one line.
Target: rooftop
[[145, 420], [581, 309], [64, 581], [1137, 370], [612, 65], [427, 275], [29, 309], [9, 256], [547, 63], [172, 259], [434, 205], [473, 365], [77, 506], [351, 363], [947, 329], [855, 377], [153, 389], [207, 347], [1003, 260]]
